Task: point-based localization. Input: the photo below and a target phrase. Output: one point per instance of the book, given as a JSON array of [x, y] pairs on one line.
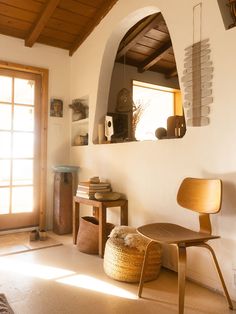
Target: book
[[90, 197], [97, 185], [93, 191]]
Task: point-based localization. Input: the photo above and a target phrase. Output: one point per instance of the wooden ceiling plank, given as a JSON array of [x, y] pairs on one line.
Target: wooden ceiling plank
[[77, 7], [157, 35], [43, 39], [138, 33], [17, 13], [172, 73], [42, 21], [28, 5], [137, 57], [70, 17], [155, 57], [14, 32], [100, 14], [60, 35], [60, 25], [149, 42], [92, 3], [14, 23], [143, 49]]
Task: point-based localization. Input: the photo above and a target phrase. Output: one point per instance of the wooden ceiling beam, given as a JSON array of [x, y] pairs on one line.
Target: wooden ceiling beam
[[155, 57], [100, 14], [138, 33], [41, 22]]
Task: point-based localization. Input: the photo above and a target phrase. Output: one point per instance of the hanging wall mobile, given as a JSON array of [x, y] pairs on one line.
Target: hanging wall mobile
[[197, 75]]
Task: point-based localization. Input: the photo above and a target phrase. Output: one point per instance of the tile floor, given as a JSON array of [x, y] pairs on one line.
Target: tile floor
[[61, 280]]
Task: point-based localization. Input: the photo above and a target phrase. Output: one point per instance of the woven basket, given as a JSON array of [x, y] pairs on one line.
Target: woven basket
[[88, 234], [125, 264]]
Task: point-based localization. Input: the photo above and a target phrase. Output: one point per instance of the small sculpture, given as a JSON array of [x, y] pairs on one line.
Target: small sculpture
[[109, 130], [79, 110]]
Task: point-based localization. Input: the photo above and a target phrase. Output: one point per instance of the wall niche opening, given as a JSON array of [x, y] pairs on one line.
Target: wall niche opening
[[144, 101]]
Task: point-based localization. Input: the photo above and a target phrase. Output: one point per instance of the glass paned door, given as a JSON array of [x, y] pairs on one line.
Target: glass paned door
[[19, 139]]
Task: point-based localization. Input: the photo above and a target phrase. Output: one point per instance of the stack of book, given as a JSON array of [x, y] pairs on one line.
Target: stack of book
[[88, 189]]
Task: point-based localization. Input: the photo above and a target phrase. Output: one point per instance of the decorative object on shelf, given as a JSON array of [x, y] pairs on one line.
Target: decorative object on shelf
[[56, 108], [176, 128], [232, 8], [124, 101], [161, 133], [81, 140], [138, 111], [89, 188], [101, 133], [109, 130], [79, 110], [197, 77], [120, 125], [107, 196], [94, 180]]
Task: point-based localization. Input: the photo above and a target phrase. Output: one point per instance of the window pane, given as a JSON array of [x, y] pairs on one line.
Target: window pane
[[5, 172], [5, 144], [5, 88], [156, 106], [5, 117], [22, 199], [4, 200], [23, 118], [23, 145], [24, 91], [22, 172]]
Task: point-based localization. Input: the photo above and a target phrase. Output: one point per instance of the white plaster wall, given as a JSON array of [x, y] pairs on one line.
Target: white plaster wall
[[57, 61], [149, 173]]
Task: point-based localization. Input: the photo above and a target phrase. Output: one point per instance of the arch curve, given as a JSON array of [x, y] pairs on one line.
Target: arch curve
[[108, 59]]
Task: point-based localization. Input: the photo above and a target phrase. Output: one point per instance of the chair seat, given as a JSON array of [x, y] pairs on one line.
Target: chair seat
[[173, 234]]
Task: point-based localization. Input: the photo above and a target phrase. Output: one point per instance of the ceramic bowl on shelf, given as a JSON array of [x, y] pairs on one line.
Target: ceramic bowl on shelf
[[107, 196]]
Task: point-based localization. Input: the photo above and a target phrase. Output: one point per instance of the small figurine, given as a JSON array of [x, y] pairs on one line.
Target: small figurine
[[79, 111]]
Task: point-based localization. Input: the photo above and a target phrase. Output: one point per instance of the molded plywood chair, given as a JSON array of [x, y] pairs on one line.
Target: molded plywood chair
[[199, 195]]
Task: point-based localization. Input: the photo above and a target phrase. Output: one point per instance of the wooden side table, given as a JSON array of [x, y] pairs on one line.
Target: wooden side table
[[99, 211]]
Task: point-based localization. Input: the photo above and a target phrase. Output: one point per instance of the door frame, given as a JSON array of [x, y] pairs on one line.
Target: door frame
[[44, 73]]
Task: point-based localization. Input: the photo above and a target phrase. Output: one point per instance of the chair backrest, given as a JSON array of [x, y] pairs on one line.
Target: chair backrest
[[200, 195]]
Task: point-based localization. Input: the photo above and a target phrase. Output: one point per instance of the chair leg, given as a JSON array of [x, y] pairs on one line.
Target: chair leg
[[145, 259], [219, 273], [181, 276]]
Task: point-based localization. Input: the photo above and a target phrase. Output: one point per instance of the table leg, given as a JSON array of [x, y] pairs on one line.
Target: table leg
[[102, 229], [76, 207], [96, 212], [124, 214]]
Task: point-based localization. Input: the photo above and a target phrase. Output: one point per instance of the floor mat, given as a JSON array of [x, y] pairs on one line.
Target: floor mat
[[4, 305], [19, 243]]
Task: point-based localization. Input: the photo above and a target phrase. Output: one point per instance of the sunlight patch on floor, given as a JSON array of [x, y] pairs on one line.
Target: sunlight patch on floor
[[90, 283], [33, 270]]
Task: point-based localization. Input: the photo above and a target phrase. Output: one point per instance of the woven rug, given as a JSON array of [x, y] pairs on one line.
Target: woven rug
[[4, 305], [20, 243]]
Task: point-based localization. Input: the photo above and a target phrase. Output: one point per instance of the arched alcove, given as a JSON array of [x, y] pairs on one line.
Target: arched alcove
[[108, 60]]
